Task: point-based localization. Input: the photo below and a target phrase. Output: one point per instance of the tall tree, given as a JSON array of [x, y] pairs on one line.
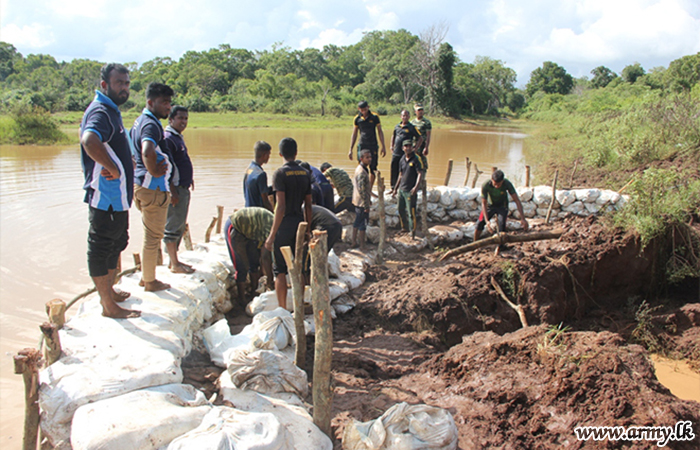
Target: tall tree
[[632, 72], [551, 78], [683, 73], [497, 79], [602, 76], [427, 58], [8, 57]]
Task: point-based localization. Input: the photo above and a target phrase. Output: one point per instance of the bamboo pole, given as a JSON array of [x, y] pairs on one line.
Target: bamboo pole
[[187, 238], [629, 183], [554, 196], [294, 265], [56, 310], [219, 218], [476, 175], [52, 350], [518, 308], [382, 218], [27, 362], [448, 175], [137, 257], [573, 174], [210, 228], [469, 168], [502, 238], [527, 176], [320, 294]]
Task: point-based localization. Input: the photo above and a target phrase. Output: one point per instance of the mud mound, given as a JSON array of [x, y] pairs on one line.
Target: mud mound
[[587, 267]]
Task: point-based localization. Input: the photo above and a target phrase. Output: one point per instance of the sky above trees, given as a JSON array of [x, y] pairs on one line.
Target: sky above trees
[[578, 35]]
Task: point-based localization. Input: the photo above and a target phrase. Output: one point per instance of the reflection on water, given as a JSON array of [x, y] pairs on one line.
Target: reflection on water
[[43, 220]]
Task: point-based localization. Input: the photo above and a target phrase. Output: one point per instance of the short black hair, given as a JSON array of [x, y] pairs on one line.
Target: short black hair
[[305, 165], [260, 148], [364, 152], [325, 166], [363, 104], [288, 148], [497, 176], [107, 70], [176, 109], [158, 90]]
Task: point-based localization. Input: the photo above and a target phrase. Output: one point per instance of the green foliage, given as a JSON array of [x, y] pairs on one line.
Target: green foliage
[[509, 279], [602, 76], [643, 332], [551, 78], [632, 72], [33, 125], [684, 73]]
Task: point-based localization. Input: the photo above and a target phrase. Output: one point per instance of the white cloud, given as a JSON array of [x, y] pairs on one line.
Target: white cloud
[[79, 8], [34, 36]]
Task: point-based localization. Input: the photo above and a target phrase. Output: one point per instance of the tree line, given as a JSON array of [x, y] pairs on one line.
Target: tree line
[[390, 69]]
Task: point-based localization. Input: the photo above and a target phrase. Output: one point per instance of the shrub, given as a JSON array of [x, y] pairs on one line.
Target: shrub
[[34, 125]]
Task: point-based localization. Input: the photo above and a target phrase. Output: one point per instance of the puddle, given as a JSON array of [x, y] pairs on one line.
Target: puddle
[[678, 377]]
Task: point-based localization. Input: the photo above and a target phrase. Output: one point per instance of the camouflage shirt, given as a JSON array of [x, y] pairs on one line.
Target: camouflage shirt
[[341, 180], [423, 126], [253, 222]]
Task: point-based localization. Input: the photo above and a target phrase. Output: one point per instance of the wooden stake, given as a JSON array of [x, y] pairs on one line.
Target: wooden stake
[[187, 238], [320, 294], [382, 218], [294, 265], [573, 174], [52, 351], [629, 183], [210, 228], [502, 238], [448, 175], [476, 175], [554, 196], [56, 310], [219, 218], [527, 176], [469, 168], [137, 261], [518, 309], [27, 362]]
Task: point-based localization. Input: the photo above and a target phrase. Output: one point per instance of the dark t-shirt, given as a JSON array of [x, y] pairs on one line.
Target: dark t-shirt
[[174, 145], [255, 185], [295, 182], [497, 197], [368, 130], [409, 169], [403, 132]]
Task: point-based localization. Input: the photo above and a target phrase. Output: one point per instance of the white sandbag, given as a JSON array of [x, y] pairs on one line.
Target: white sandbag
[[446, 199], [446, 233], [336, 288], [458, 214], [287, 408], [587, 195], [530, 209], [353, 279], [592, 208], [404, 427], [474, 214], [433, 195], [565, 197], [575, 208], [391, 210], [267, 301], [333, 264], [140, 420], [524, 193], [470, 194], [622, 201], [542, 196], [392, 221], [607, 197], [372, 234], [468, 230], [268, 372], [276, 326], [343, 304], [225, 428], [438, 215]]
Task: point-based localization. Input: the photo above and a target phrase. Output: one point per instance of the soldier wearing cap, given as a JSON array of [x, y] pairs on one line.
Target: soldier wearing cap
[[425, 128], [411, 173]]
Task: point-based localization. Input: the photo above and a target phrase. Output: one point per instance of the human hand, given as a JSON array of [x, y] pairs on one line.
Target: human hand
[[108, 175], [526, 226], [383, 152], [350, 154], [161, 168], [269, 244]]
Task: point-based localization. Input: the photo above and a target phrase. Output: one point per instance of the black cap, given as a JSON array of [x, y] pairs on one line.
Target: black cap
[[363, 104]]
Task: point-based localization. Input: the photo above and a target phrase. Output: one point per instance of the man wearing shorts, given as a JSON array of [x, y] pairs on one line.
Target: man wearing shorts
[[494, 201], [292, 186]]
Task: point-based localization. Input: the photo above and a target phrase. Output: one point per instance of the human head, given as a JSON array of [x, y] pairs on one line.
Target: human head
[[497, 178], [408, 146], [115, 82], [405, 115], [262, 152], [158, 99], [288, 149], [418, 107], [179, 115], [325, 166], [365, 157], [363, 107]]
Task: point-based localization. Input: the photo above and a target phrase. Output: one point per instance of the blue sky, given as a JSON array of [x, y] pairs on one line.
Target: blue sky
[[578, 35]]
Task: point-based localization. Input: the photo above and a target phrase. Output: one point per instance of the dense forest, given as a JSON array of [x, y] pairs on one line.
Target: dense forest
[[390, 69]]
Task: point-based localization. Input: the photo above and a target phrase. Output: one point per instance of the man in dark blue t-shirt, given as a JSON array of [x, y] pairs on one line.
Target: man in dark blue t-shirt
[[255, 188], [109, 177]]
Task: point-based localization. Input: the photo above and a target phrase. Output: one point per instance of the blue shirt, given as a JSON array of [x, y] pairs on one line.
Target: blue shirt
[[103, 118], [148, 128], [255, 185], [174, 144]]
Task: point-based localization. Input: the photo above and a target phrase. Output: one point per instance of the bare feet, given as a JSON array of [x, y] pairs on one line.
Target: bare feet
[[155, 285], [119, 296], [181, 268], [114, 311]]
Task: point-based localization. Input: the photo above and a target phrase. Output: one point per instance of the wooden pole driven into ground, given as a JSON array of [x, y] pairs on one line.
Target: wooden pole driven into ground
[[448, 175], [382, 218], [56, 310], [219, 218], [554, 197], [210, 228], [27, 363], [424, 213], [476, 175], [296, 276], [187, 238], [469, 168], [503, 238], [52, 350], [320, 294], [518, 308], [527, 176], [623, 188], [573, 174]]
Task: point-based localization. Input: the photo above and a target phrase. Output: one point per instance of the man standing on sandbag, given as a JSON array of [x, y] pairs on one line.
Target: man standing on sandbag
[[292, 187], [255, 188], [494, 201], [246, 231], [402, 132], [410, 175], [361, 200], [109, 186]]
